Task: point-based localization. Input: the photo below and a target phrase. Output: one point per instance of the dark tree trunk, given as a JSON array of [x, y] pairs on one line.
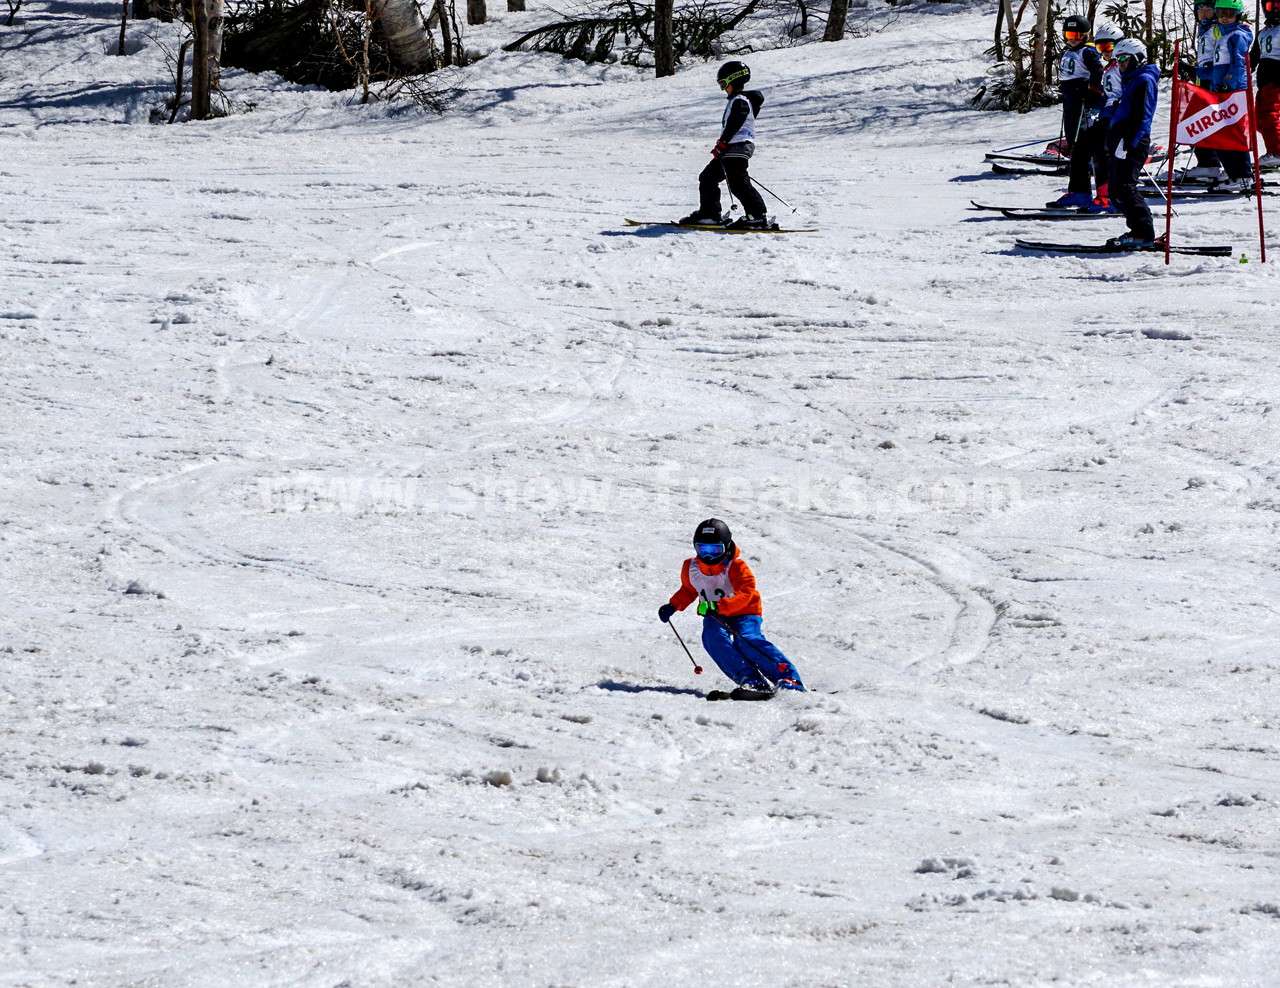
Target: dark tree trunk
[[835, 21], [664, 49], [199, 60], [164, 10], [446, 33], [477, 13]]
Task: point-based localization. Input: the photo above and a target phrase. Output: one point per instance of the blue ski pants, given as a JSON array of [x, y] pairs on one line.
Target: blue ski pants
[[745, 656]]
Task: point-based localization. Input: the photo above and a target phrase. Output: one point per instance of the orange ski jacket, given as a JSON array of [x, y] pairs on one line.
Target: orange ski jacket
[[730, 586]]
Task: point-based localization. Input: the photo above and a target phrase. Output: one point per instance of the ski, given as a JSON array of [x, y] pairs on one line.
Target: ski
[[1026, 168], [714, 229], [1205, 250], [741, 693], [1001, 209], [1054, 214], [1056, 160], [1207, 194], [1179, 195], [1028, 159]]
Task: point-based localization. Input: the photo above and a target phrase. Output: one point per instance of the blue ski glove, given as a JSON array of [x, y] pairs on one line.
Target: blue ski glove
[[665, 612]]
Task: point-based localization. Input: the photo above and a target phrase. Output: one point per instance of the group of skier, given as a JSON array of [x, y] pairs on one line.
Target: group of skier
[[1224, 48], [1109, 93]]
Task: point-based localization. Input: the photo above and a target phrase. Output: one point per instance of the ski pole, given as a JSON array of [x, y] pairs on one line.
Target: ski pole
[[1147, 175], [735, 638], [733, 200], [755, 181], [696, 668]]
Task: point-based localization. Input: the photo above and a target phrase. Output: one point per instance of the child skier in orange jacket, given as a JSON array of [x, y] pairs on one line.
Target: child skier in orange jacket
[[725, 588]]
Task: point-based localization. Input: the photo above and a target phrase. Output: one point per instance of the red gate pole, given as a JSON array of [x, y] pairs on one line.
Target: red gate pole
[[1257, 172], [1171, 154]]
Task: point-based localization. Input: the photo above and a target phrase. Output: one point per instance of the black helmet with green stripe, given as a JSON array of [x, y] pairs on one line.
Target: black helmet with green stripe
[[733, 76]]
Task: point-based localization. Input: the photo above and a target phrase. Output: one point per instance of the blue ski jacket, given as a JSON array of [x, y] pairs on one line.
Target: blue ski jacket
[[1131, 120], [1230, 59]]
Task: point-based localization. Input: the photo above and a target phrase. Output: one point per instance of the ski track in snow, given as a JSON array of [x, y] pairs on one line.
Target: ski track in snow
[[349, 454]]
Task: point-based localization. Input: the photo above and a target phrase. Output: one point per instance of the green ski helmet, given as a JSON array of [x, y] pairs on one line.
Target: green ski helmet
[[1236, 5]]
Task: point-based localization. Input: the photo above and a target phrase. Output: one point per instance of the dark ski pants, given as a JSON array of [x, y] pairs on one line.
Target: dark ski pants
[[1126, 196], [1083, 153], [731, 169], [745, 655], [1206, 157], [1237, 164]]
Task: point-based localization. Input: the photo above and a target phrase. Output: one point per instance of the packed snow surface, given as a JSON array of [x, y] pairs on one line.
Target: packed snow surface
[[349, 452]]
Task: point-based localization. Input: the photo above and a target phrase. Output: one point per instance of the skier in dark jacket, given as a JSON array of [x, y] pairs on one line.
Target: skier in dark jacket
[[1080, 84], [1129, 141], [730, 156]]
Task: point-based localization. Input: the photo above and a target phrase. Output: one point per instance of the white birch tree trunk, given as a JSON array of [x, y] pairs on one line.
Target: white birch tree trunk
[[1039, 63], [405, 34]]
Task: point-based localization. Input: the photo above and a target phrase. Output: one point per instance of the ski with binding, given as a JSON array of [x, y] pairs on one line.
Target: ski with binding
[[741, 693], [715, 229], [1200, 250], [1054, 214], [1207, 194], [1027, 168]]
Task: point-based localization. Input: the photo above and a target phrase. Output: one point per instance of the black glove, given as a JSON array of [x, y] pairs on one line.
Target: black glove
[[665, 612]]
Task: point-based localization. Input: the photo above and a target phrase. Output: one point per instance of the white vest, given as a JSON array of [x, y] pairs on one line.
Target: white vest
[[1269, 42], [747, 132], [1072, 65], [1206, 41], [1112, 83], [711, 587]]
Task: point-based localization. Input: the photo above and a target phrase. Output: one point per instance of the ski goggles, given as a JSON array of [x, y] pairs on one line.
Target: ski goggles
[[709, 550], [1075, 35], [1104, 46], [729, 80]]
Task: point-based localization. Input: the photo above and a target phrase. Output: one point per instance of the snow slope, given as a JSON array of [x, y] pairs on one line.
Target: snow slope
[[349, 453]]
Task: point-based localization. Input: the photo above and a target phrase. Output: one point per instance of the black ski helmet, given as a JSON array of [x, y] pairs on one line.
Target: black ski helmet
[[713, 532], [1077, 22], [733, 74]]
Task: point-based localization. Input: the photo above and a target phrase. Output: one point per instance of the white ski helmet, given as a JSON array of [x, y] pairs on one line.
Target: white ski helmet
[[1132, 47], [1108, 32]]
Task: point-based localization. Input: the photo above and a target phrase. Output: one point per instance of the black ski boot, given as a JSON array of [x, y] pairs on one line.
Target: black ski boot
[[751, 223], [698, 218]]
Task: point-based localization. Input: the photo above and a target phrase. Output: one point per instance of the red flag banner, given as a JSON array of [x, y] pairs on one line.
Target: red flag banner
[[1211, 120]]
